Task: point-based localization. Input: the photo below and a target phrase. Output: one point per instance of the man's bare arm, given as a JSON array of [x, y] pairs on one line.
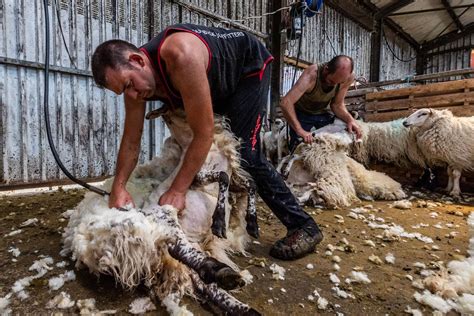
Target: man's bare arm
[[128, 152], [340, 110], [305, 83], [186, 58]]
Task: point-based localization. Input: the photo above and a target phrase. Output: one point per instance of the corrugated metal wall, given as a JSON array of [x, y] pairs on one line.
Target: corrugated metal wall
[[326, 35], [398, 58], [86, 121], [455, 55], [330, 33]]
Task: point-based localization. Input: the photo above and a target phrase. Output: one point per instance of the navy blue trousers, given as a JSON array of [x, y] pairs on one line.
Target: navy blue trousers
[[308, 121]]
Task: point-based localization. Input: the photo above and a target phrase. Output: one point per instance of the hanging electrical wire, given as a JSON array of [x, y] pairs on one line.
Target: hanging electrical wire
[[260, 16], [228, 21], [298, 52], [393, 53], [58, 16], [46, 110]]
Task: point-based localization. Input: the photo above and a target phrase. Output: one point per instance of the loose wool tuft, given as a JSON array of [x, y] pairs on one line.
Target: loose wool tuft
[[455, 284]]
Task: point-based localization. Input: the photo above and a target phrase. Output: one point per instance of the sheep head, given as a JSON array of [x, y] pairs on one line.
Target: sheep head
[[419, 118]]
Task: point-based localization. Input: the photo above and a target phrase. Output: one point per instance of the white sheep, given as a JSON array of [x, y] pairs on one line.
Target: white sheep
[[445, 139], [388, 142], [324, 173], [223, 159], [273, 141], [157, 245]]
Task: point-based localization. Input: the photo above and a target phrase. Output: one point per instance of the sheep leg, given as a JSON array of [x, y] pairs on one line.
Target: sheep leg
[[456, 191], [209, 269], [251, 214], [282, 163], [449, 187], [218, 218], [290, 164], [279, 149], [229, 304]]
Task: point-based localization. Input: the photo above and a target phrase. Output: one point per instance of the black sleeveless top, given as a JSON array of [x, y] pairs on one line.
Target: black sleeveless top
[[233, 55]]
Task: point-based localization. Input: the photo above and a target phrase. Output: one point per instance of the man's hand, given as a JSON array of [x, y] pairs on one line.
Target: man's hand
[[353, 128], [307, 136], [173, 198], [119, 198]]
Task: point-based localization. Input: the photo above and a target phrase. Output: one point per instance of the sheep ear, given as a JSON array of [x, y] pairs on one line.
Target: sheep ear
[[431, 111]]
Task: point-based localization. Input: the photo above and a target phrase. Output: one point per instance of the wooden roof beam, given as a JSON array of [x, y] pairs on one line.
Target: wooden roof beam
[[353, 12], [392, 7], [429, 10], [372, 8], [448, 38], [453, 15]]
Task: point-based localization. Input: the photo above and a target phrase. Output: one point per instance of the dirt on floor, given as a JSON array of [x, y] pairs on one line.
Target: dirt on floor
[[389, 292]]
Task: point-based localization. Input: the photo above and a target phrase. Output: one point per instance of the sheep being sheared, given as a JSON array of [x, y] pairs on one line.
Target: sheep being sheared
[[388, 142], [445, 139], [154, 244], [222, 165], [323, 172]]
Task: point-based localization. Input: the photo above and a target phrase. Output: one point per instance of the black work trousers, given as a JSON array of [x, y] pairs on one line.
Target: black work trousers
[[246, 110]]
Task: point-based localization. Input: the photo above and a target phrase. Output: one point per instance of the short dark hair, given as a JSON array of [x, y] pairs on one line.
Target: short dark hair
[[336, 62], [110, 54]]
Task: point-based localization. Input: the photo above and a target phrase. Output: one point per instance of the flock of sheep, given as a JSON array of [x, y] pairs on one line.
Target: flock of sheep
[[187, 254], [332, 169]]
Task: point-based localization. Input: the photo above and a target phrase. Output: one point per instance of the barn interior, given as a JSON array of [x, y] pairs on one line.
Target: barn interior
[[382, 253]]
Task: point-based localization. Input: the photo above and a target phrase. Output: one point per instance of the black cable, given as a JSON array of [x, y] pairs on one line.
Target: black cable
[[46, 110], [391, 50], [298, 52], [58, 15]]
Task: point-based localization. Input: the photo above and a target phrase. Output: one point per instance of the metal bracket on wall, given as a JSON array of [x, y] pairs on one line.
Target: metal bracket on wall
[[221, 19]]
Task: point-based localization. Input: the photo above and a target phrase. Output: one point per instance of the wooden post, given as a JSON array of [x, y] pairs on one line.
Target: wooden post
[[151, 19], [420, 62], [276, 50], [375, 51]]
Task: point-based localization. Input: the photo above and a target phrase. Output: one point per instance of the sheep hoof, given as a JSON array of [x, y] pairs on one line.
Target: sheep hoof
[[225, 277], [251, 312], [252, 228], [218, 229], [228, 279]]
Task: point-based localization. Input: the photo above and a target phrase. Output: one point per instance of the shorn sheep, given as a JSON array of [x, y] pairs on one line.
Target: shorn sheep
[[158, 246], [445, 139], [324, 173]]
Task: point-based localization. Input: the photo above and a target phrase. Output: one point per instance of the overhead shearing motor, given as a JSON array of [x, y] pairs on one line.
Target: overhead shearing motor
[[298, 10]]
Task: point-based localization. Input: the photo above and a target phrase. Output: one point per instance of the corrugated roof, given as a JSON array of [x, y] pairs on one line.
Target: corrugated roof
[[425, 20]]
